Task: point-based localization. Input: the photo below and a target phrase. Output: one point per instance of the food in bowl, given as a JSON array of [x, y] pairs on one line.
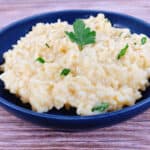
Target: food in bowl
[[90, 65]]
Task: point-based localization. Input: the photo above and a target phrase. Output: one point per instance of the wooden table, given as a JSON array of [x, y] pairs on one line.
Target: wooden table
[[16, 134]]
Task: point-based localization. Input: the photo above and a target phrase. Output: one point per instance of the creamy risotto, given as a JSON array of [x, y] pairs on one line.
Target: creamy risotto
[[90, 65]]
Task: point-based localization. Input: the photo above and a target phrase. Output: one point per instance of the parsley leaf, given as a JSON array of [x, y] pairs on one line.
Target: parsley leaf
[[65, 72], [101, 108], [41, 60], [82, 35], [47, 45], [120, 34], [143, 40], [122, 51]]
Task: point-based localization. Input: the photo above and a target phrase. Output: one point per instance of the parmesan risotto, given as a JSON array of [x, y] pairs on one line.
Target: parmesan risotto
[[90, 65]]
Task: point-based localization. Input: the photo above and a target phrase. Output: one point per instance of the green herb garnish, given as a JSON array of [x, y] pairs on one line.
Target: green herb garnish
[[65, 72], [47, 45], [143, 40], [82, 35], [101, 108], [122, 51], [120, 34], [41, 60]]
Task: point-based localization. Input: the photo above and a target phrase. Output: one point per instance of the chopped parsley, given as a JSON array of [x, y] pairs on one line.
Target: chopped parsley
[[101, 108], [47, 45], [122, 51], [65, 72], [82, 35], [41, 60], [143, 40], [120, 34]]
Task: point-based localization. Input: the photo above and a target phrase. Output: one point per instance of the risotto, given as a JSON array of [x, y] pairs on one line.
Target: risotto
[[90, 65]]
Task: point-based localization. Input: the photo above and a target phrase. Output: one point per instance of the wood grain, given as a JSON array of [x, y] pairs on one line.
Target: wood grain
[[16, 134]]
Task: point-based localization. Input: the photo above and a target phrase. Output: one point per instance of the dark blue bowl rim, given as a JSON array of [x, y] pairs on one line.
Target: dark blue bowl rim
[[65, 117]]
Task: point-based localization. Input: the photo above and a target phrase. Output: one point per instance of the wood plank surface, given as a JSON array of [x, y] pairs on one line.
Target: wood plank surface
[[17, 134]]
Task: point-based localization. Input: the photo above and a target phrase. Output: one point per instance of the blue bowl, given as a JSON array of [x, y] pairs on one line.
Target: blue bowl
[[63, 118]]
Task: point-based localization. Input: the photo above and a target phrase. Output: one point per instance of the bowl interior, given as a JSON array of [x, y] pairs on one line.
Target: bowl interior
[[10, 35]]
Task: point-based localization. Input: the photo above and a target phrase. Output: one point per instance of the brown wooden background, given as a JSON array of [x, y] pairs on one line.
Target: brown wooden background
[[16, 134]]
